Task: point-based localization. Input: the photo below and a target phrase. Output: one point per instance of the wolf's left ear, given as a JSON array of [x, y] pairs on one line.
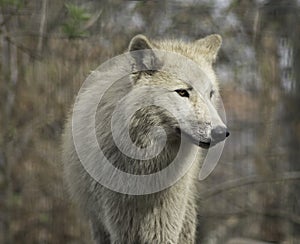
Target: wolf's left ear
[[144, 57], [139, 42], [209, 46]]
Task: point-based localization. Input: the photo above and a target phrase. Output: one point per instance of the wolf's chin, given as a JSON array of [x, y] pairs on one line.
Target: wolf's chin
[[202, 144]]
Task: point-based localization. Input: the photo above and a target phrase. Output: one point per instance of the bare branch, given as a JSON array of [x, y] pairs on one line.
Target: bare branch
[[251, 211], [22, 48], [42, 26], [92, 20], [229, 185]]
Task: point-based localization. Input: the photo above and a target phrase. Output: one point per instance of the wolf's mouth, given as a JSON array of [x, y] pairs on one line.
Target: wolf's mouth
[[202, 144]]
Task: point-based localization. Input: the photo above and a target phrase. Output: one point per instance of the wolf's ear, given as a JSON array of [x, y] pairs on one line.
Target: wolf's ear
[[209, 46], [139, 42], [144, 58]]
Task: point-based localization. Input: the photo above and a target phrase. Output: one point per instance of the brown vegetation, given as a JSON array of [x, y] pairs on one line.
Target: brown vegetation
[[42, 67]]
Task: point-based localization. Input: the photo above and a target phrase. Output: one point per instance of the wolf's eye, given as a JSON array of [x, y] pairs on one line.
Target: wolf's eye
[[182, 93], [211, 93]]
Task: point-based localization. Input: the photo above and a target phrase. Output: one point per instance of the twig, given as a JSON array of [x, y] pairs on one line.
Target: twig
[[249, 211], [226, 186], [22, 48], [42, 26], [92, 20]]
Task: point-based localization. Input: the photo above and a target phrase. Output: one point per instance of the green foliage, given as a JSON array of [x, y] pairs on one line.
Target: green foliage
[[11, 3], [15, 200], [74, 26]]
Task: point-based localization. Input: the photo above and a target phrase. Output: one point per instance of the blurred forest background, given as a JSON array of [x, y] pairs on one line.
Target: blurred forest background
[[49, 47]]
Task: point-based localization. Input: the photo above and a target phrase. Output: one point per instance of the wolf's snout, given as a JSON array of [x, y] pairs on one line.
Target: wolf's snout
[[219, 133]]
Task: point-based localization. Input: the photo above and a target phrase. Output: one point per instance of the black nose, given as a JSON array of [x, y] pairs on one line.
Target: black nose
[[219, 133]]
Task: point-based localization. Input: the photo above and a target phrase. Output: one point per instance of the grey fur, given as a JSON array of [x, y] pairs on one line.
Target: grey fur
[[168, 216]]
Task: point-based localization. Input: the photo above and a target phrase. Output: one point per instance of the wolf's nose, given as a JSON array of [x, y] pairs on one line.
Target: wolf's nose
[[219, 133]]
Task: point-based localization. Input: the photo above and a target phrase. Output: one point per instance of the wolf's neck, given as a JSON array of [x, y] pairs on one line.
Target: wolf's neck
[[150, 127], [150, 149]]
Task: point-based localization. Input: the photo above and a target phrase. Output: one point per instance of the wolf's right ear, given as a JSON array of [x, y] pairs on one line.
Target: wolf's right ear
[[209, 46], [144, 58]]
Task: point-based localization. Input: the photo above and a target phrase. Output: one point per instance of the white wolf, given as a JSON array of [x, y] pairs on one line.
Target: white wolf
[[169, 215]]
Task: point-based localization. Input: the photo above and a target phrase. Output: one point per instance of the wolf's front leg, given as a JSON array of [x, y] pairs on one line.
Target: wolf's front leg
[[162, 228], [188, 232], [99, 234], [161, 235]]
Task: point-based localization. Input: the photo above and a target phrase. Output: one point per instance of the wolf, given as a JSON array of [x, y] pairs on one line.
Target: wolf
[[168, 215]]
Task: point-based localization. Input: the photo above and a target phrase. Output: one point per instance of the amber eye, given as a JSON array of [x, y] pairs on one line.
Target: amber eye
[[183, 93]]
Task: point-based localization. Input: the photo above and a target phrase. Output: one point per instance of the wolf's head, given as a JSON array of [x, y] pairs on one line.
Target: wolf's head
[[179, 78]]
